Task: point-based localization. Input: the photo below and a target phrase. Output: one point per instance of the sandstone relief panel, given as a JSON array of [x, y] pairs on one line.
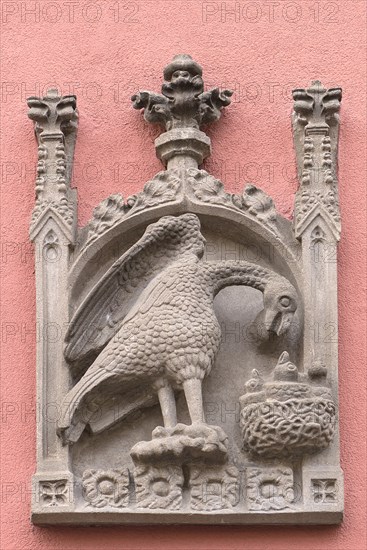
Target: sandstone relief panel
[[190, 384]]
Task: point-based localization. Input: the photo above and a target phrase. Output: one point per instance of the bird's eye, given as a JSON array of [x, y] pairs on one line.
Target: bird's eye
[[285, 301]]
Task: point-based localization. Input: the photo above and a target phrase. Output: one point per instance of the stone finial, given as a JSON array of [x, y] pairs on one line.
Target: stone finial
[[181, 109], [315, 128], [317, 108], [183, 102], [53, 113]]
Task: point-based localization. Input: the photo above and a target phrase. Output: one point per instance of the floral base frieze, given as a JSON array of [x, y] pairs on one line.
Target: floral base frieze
[[234, 495]]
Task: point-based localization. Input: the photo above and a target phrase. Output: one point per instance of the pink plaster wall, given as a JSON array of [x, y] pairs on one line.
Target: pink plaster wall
[[104, 55]]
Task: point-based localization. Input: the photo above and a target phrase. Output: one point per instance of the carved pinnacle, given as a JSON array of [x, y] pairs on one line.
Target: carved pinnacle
[[315, 129], [55, 119]]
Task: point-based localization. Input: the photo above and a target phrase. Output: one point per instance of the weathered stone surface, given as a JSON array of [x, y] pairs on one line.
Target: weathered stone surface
[[55, 120], [214, 488], [183, 444], [158, 487], [106, 488], [171, 303], [287, 416], [316, 131], [183, 102], [269, 488], [176, 185], [171, 333]]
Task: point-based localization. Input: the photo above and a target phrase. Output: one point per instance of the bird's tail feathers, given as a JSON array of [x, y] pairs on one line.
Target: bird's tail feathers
[[74, 420]]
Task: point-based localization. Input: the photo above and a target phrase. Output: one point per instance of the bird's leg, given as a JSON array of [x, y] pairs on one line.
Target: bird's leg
[[194, 399], [167, 402]]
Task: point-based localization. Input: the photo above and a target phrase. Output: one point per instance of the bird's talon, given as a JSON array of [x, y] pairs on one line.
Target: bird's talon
[[159, 431]]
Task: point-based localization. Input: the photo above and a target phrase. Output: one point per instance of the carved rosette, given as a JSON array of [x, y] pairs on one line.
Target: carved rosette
[[269, 489], [106, 488], [289, 416], [214, 488], [316, 127], [53, 491], [158, 486]]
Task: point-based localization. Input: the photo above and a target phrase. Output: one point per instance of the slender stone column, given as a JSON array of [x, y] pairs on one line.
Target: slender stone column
[[317, 226], [53, 232]]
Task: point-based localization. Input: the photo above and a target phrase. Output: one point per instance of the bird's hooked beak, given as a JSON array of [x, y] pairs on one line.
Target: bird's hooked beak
[[280, 304], [277, 321]]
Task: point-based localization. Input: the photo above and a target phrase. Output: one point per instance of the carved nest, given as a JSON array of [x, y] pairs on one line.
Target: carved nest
[[289, 428]]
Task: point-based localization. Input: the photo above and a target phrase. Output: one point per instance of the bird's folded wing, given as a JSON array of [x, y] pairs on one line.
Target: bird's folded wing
[[102, 312]]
